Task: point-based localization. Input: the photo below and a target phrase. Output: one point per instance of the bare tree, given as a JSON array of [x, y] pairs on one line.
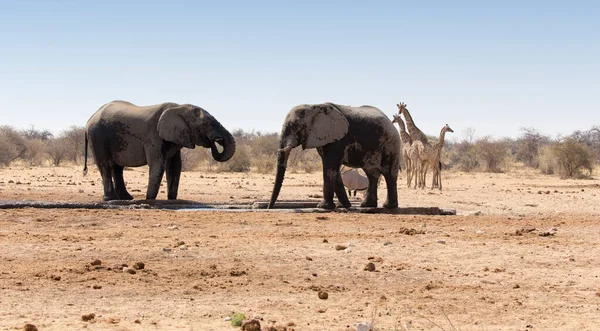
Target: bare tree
[[73, 138], [492, 153], [572, 157], [33, 134], [12, 145], [528, 147], [57, 151]]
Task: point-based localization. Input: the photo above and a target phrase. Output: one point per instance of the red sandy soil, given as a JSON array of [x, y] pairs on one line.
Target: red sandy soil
[[521, 254]]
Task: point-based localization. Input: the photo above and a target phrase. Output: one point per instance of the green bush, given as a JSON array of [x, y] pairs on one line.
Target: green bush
[[237, 319]]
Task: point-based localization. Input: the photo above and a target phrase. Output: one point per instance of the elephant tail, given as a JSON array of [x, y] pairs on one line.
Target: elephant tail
[[85, 154]]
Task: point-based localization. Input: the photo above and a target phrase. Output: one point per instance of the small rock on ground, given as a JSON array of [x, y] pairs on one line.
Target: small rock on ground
[[30, 327], [364, 326], [88, 317], [252, 325]]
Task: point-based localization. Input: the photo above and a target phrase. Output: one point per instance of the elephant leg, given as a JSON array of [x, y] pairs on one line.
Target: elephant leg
[[156, 175], [173, 174], [370, 199], [120, 190], [107, 182], [332, 160], [156, 162], [340, 191], [391, 181]]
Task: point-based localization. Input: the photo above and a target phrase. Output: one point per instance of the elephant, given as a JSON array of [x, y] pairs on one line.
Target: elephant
[[357, 137], [122, 134]]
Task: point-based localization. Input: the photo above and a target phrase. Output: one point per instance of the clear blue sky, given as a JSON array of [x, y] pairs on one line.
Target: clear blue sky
[[495, 66]]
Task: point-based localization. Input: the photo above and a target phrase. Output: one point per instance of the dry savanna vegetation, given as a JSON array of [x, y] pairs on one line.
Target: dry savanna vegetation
[[521, 253]]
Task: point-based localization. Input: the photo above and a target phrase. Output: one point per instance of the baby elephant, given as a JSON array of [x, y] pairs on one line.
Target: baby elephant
[[122, 134]]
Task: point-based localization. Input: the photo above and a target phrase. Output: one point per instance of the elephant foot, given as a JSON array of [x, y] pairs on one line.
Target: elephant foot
[[326, 205], [125, 196], [344, 205], [110, 197], [369, 203], [390, 205]]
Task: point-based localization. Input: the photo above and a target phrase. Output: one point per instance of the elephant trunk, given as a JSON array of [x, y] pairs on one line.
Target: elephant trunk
[[228, 144], [282, 158]]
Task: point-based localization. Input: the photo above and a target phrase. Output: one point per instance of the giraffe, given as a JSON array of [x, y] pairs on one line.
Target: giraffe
[[420, 152], [406, 147], [413, 130], [437, 165], [432, 155], [415, 155]]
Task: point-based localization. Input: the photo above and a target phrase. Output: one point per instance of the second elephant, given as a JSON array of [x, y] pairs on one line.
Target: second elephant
[[122, 134], [358, 137]]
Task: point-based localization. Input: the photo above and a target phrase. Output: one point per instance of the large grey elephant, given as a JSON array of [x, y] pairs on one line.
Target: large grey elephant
[[358, 137], [122, 134]]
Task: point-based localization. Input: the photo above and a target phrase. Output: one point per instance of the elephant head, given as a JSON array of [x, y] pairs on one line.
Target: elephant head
[[311, 126], [191, 126]]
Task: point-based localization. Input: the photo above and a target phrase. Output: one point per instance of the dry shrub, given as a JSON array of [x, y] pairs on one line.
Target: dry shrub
[[240, 162], [8, 151], [528, 147], [264, 164], [492, 153], [463, 156], [74, 138], [57, 151], [12, 145], [264, 144], [36, 150], [547, 160], [573, 158], [191, 159], [307, 160]]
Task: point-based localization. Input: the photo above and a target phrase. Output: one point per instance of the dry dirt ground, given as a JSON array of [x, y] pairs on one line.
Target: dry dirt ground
[[522, 254]]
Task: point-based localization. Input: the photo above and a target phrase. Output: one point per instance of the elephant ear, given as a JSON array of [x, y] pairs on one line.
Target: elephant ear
[[326, 125], [173, 127]]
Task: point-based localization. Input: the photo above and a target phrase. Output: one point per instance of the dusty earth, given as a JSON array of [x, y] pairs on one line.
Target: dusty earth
[[521, 254]]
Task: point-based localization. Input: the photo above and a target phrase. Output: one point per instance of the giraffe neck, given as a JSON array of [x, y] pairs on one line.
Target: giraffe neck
[[440, 141], [414, 131], [403, 134]]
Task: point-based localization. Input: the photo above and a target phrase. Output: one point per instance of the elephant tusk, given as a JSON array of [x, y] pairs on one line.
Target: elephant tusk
[[219, 147], [285, 150]]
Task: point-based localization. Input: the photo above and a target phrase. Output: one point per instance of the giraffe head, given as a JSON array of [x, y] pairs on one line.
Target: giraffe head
[[401, 107], [448, 129], [397, 119]]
